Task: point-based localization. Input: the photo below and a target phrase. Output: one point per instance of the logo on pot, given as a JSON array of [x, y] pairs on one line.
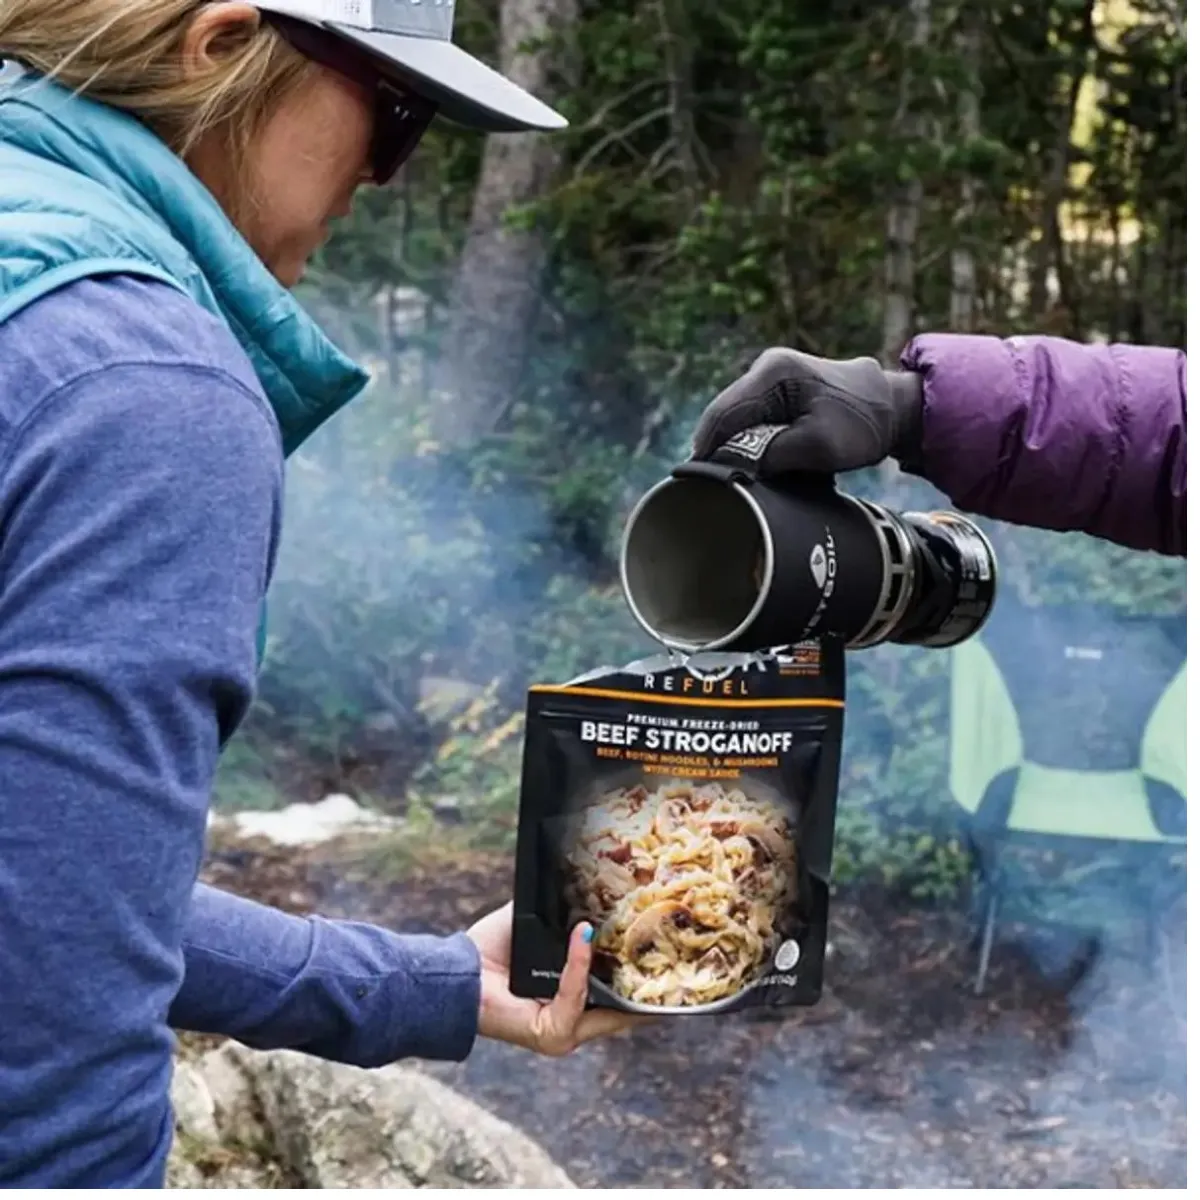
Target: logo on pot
[[819, 565], [823, 564]]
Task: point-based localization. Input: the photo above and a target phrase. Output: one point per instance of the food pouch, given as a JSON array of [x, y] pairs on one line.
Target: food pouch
[[686, 809]]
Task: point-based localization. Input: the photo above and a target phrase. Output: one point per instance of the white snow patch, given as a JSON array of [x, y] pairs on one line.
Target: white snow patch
[[306, 824]]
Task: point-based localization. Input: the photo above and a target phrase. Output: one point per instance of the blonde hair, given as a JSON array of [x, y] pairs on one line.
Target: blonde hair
[[128, 54]]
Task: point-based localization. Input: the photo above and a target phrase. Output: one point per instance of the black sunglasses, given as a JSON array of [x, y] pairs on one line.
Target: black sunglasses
[[401, 116]]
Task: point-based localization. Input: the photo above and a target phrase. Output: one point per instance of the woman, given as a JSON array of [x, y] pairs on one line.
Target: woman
[[1034, 430], [153, 373]]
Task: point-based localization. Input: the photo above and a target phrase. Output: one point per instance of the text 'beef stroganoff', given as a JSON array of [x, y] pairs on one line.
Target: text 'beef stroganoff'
[[686, 810]]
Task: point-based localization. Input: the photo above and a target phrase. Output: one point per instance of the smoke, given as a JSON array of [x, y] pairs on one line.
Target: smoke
[[413, 577], [1068, 1069], [404, 565]]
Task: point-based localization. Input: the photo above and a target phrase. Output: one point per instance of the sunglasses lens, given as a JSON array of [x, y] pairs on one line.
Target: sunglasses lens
[[400, 123], [401, 119]]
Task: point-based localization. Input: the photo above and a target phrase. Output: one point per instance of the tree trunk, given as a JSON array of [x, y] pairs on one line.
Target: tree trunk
[[1153, 286], [963, 283], [1118, 309], [496, 291], [678, 55], [1174, 258], [904, 215], [1049, 248]]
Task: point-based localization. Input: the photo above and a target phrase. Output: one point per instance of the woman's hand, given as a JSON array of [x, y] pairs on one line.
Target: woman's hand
[[554, 1027]]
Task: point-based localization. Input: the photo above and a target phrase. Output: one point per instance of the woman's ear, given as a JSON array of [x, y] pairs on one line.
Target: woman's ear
[[213, 31]]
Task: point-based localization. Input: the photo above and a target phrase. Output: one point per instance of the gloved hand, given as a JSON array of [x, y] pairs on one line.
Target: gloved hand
[[839, 415]]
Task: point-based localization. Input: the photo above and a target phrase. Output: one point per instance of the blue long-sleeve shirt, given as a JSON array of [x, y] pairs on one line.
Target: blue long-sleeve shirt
[[140, 495]]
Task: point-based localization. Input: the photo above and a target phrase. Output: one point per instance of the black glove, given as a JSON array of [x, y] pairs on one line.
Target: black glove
[[838, 415]]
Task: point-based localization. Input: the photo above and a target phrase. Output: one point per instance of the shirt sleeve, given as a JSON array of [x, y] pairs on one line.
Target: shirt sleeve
[[1058, 434], [340, 990]]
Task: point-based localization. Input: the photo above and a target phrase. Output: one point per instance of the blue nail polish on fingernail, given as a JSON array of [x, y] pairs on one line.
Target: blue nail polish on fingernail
[[588, 933]]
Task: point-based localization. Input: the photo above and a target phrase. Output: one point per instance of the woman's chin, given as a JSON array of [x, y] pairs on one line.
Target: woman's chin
[[290, 263], [290, 271]]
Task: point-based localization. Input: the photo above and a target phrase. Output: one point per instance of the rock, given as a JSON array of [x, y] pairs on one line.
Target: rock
[[195, 1113], [182, 1173], [232, 1091], [213, 1167], [252, 1119], [335, 1126], [220, 1140]]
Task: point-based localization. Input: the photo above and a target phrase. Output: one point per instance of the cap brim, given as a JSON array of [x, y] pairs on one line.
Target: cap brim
[[466, 91]]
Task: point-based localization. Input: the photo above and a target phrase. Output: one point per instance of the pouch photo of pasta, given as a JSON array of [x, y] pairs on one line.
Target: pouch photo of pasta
[[686, 811]]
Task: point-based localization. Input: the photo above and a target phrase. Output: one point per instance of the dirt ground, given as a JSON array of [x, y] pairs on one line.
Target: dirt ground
[[1068, 1072]]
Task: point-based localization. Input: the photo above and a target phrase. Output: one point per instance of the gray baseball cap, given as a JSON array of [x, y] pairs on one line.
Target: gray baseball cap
[[414, 35]]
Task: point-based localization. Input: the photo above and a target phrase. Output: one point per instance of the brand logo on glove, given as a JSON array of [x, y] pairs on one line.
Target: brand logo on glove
[[752, 443]]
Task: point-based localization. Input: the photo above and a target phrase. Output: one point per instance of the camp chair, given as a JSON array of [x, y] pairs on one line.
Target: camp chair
[[1066, 723]]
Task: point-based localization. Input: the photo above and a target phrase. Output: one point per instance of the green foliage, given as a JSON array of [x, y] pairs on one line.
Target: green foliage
[[478, 765], [930, 868], [669, 267], [244, 781]]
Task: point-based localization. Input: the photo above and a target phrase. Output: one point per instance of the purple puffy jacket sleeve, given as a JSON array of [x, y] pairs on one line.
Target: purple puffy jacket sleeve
[[1057, 434]]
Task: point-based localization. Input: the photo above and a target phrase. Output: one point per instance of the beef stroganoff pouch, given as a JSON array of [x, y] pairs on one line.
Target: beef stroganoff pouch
[[686, 809]]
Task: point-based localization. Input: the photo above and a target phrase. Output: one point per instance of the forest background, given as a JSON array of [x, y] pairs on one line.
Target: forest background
[[546, 315]]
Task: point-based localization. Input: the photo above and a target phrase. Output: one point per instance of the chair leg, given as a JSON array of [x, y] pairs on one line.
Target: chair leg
[[989, 933]]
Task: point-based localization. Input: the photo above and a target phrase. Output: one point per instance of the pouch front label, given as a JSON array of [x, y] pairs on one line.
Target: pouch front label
[[688, 818]]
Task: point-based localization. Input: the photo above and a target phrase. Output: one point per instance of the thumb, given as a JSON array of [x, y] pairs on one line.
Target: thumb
[[560, 1018]]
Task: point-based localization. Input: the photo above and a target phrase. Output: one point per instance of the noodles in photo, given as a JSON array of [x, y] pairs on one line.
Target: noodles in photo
[[687, 886]]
